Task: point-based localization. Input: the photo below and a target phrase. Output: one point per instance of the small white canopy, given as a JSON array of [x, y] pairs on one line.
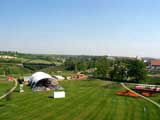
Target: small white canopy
[[36, 77]]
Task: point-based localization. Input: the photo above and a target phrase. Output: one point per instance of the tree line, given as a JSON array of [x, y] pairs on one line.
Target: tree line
[[130, 70]]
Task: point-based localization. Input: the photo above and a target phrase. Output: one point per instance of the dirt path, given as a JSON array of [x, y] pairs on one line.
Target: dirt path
[[14, 87], [151, 101]]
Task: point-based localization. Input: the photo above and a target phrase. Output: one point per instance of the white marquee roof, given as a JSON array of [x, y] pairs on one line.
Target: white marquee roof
[[36, 77]]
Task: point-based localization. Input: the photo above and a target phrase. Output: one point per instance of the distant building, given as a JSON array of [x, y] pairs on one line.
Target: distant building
[[111, 58], [8, 57], [154, 64], [139, 58]]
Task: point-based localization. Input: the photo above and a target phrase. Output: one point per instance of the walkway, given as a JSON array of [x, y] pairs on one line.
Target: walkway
[[153, 102]]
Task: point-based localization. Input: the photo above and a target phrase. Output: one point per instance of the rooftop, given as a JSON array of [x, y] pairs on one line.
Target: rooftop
[[155, 62]]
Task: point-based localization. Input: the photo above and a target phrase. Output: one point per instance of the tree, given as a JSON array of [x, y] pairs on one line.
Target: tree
[[137, 70], [82, 65], [119, 72], [70, 64], [102, 66], [77, 64]]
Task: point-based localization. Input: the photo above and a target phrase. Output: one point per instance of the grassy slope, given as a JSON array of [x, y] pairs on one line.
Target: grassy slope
[[4, 86], [40, 61], [86, 100], [151, 80]]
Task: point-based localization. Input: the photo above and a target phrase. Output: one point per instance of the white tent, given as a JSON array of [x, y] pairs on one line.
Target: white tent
[[38, 76], [41, 81]]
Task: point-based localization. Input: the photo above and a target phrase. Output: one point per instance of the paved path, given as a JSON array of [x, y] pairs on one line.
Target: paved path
[[9, 92], [153, 102]]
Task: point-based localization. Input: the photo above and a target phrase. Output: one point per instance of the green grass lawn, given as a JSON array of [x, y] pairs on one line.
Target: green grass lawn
[[40, 61], [86, 100], [4, 86], [151, 80]]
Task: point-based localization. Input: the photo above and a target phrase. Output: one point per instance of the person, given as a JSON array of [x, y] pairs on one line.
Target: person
[[20, 81]]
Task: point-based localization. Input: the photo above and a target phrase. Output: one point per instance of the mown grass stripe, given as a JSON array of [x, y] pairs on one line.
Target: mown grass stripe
[[86, 100], [90, 101], [68, 106], [77, 103]]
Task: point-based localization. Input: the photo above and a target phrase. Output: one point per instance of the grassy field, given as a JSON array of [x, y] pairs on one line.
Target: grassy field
[[86, 100], [37, 61], [152, 80], [4, 86]]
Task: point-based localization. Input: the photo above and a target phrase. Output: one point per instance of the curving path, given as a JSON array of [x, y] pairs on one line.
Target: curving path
[[151, 101], [14, 87]]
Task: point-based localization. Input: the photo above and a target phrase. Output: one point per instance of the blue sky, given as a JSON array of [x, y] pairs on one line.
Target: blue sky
[[88, 27]]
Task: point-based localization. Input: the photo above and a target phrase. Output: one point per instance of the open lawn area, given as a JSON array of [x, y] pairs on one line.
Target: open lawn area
[[152, 80], [86, 100], [4, 86]]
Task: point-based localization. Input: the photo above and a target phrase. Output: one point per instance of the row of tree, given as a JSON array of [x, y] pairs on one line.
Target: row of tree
[[78, 64], [132, 70], [116, 70]]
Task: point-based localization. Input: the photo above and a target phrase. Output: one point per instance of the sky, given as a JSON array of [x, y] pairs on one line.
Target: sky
[[81, 27]]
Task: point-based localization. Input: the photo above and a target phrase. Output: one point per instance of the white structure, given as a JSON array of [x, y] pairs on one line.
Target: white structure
[[8, 57], [41, 81], [36, 77], [60, 94], [21, 88]]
